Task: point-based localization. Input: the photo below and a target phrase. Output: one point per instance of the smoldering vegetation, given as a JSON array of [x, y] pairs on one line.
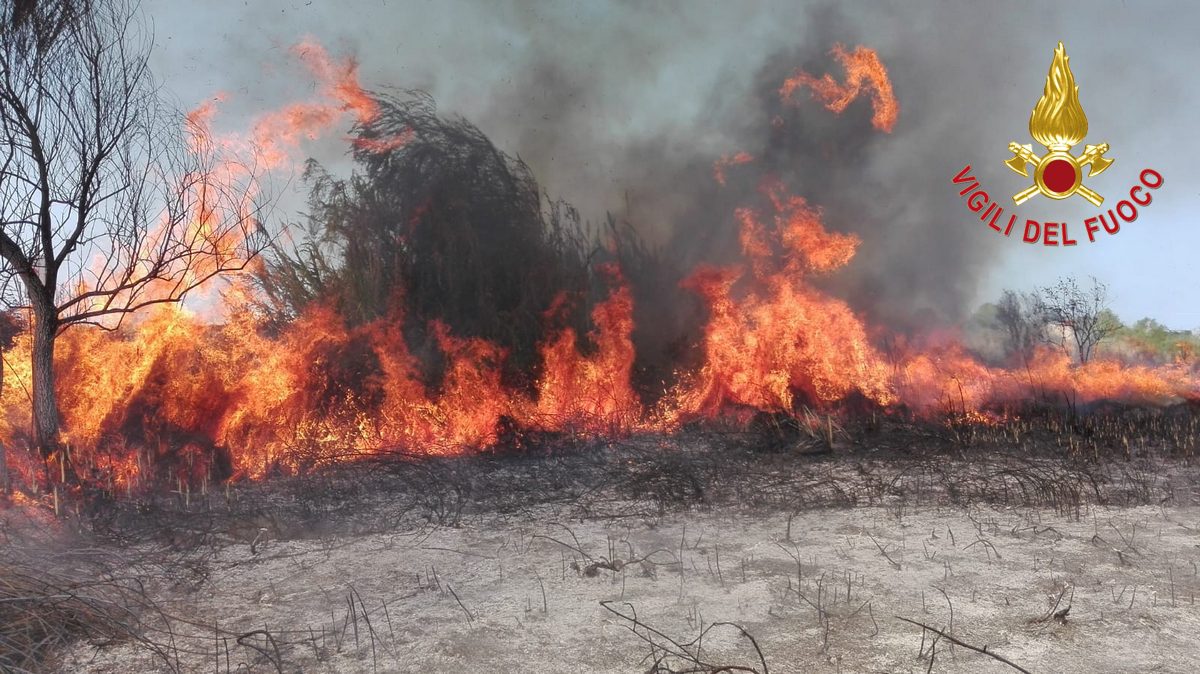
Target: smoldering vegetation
[[1108, 454], [99, 583], [60, 585]]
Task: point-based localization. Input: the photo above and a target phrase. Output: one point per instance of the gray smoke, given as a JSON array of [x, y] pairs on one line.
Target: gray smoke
[[623, 107], [918, 259]]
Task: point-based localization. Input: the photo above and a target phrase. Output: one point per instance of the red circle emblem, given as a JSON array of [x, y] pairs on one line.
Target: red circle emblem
[[1059, 176]]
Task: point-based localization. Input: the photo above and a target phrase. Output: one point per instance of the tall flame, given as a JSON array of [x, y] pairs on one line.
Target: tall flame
[[172, 398], [783, 336], [1057, 120]]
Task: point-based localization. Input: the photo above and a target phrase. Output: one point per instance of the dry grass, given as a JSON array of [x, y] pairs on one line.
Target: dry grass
[[52, 595]]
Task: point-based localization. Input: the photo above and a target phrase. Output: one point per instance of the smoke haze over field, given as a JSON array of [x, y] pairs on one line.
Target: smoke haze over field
[[623, 107]]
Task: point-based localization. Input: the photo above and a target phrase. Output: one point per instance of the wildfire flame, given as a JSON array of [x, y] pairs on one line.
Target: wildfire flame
[[276, 136], [864, 71], [783, 336], [1058, 121], [177, 398], [591, 393], [721, 165]]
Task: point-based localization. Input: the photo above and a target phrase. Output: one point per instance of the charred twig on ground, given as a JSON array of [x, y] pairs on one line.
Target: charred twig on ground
[[663, 647], [1054, 613], [883, 552], [952, 639], [272, 655], [470, 618]]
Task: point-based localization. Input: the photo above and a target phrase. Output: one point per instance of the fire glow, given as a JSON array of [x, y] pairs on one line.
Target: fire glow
[[179, 398]]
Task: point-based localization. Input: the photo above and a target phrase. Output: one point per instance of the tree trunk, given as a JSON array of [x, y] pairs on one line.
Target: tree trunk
[[5, 481], [45, 399]]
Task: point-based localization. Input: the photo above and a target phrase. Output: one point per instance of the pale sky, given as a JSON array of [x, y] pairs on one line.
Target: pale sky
[[645, 69]]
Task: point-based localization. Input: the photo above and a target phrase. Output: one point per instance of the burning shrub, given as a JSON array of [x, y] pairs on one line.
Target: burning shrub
[[443, 223]]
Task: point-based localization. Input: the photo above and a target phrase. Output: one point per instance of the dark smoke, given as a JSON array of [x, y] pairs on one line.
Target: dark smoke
[[611, 101], [917, 265], [917, 262]]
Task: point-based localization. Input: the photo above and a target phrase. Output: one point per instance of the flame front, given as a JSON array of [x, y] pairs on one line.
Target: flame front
[[779, 336], [177, 398], [1058, 121]]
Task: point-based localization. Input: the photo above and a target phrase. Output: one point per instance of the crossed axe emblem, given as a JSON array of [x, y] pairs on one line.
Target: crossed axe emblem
[[1058, 174]]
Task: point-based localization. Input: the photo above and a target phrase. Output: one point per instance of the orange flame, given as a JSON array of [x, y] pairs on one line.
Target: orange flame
[[176, 398], [724, 163], [782, 336], [864, 70], [593, 393], [277, 135]]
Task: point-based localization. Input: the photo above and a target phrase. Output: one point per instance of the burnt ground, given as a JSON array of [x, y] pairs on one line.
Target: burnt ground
[[1059, 542]]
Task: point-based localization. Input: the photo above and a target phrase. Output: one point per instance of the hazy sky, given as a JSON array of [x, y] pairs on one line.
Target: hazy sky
[[566, 85]]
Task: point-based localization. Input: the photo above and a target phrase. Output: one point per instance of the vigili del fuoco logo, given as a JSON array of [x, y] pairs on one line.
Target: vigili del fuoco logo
[[1058, 123]]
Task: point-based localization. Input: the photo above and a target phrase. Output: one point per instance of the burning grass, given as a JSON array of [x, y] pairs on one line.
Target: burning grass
[[1118, 456], [441, 305], [489, 367]]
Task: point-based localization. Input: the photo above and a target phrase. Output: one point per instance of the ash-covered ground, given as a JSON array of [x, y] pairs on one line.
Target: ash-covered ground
[[1047, 543]]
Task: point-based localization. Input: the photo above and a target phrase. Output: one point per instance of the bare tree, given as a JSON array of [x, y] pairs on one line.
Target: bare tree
[[106, 205], [1023, 320], [1080, 314]]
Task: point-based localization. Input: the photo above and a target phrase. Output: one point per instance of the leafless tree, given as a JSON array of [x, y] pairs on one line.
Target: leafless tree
[[1081, 315], [1023, 321], [109, 201]]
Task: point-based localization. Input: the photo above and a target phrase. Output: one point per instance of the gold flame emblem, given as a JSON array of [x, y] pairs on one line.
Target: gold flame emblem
[[1058, 122]]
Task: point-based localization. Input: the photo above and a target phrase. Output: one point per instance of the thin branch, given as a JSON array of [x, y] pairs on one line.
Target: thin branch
[[951, 638]]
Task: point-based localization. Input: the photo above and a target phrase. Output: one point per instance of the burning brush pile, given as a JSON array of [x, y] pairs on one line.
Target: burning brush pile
[[436, 303]]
